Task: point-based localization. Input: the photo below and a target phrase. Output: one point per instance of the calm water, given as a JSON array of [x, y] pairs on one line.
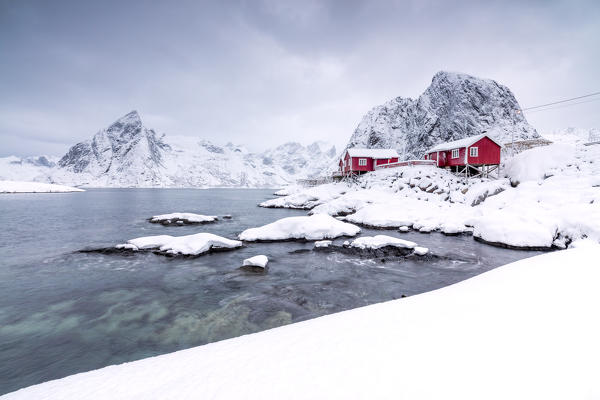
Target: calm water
[[63, 312]]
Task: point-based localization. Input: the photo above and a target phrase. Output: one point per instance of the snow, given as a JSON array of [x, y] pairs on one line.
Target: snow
[[323, 243], [314, 227], [373, 153], [34, 187], [307, 198], [256, 261], [404, 228], [379, 241], [196, 244], [184, 217], [522, 331], [556, 202], [129, 154], [537, 163], [421, 251]]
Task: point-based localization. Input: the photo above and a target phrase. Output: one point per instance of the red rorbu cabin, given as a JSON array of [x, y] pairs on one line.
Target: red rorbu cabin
[[358, 161], [475, 155]]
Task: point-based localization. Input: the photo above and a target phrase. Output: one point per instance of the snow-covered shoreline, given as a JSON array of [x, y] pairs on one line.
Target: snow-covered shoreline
[[525, 330], [550, 198], [8, 187]]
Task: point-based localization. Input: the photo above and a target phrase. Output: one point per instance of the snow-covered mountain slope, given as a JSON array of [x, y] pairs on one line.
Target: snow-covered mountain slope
[[127, 154], [454, 106], [574, 136]]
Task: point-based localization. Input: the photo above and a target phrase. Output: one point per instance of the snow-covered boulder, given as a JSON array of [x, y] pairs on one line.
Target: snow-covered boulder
[[379, 241], [191, 245], [539, 163], [314, 227], [516, 230], [321, 244], [256, 263], [179, 218], [421, 251], [34, 187]]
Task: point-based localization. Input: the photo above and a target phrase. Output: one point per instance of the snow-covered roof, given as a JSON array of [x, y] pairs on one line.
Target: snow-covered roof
[[373, 153], [459, 144]]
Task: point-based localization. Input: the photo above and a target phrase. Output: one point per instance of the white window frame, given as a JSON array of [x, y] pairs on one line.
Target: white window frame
[[474, 151], [362, 162], [455, 153]]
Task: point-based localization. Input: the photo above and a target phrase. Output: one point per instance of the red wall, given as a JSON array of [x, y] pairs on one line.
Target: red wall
[[356, 167], [386, 160], [489, 152]]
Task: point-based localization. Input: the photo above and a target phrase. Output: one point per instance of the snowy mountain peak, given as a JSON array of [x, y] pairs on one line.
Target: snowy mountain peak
[[454, 106]]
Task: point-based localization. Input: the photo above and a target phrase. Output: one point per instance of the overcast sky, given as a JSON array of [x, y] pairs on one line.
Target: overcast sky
[[260, 73]]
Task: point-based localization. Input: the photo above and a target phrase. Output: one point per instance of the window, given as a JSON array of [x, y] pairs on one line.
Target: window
[[362, 162], [474, 152], [455, 153]]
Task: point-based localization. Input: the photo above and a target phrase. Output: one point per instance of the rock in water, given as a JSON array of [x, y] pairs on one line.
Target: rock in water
[[454, 106], [255, 264]]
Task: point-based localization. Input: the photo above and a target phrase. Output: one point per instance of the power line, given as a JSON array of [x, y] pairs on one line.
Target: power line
[[561, 101], [565, 105]]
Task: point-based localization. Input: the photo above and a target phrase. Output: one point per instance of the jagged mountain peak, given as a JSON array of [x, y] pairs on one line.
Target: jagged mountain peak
[[454, 106]]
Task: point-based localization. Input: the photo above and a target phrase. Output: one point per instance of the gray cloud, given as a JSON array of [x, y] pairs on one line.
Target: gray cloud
[[263, 72]]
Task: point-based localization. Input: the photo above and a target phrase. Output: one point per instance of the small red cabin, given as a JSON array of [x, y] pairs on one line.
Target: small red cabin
[[358, 161], [472, 152]]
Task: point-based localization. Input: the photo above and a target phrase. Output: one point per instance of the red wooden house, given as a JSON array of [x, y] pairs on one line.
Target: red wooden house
[[358, 161], [475, 155]]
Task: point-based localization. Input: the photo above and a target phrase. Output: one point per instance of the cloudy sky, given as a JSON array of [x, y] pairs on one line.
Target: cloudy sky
[[260, 73]]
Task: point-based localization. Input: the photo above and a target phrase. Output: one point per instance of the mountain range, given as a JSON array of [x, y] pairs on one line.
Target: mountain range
[[128, 154]]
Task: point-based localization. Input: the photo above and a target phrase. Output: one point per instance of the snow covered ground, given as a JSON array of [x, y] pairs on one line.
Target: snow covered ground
[[550, 197], [526, 330], [34, 187]]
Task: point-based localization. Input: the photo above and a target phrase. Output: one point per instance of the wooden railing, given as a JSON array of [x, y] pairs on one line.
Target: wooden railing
[[406, 163]]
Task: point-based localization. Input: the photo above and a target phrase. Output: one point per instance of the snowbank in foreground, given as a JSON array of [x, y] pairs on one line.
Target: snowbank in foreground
[[184, 245], [35, 187], [523, 331], [314, 227]]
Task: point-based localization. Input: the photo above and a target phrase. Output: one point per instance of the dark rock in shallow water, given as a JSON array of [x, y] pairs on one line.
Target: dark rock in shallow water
[[508, 246], [254, 269], [180, 222]]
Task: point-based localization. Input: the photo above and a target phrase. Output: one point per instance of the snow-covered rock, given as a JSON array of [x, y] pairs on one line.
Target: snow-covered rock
[[526, 330], [314, 227], [539, 163], [260, 261], [34, 187], [454, 106], [179, 218], [421, 251], [379, 241], [323, 243], [193, 245]]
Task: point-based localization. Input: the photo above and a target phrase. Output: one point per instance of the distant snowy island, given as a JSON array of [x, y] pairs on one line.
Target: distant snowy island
[[34, 187]]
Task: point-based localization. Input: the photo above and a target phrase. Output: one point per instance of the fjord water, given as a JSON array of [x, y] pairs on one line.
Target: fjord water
[[63, 311]]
